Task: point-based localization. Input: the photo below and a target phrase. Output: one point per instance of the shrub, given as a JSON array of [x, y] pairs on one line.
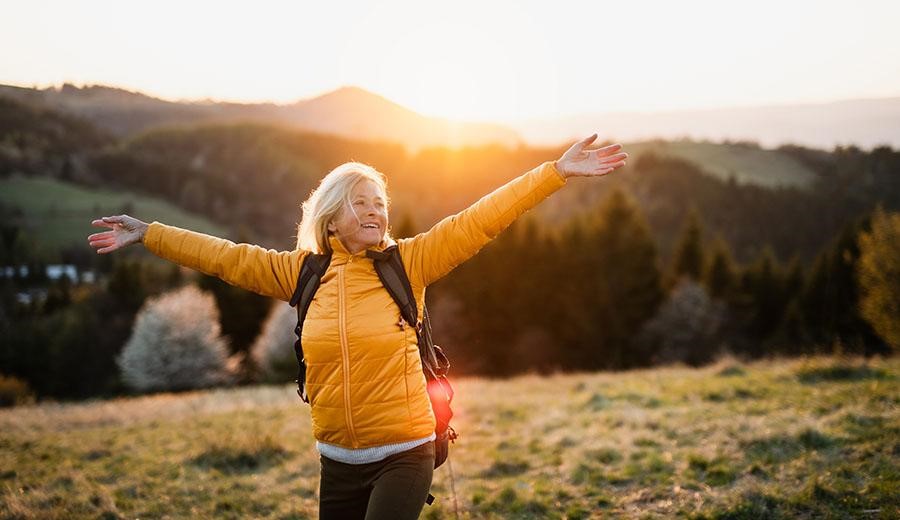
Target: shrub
[[176, 344], [686, 327], [14, 392], [273, 350]]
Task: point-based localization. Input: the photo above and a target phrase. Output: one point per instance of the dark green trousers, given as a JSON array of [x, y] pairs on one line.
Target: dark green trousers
[[393, 488]]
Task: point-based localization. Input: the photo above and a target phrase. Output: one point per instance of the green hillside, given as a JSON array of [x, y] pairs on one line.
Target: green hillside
[[55, 214], [748, 164]]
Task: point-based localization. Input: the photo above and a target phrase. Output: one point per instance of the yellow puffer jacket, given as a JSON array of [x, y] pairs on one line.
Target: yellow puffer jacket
[[364, 376]]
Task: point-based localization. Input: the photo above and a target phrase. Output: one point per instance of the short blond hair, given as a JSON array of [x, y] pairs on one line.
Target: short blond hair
[[324, 203]]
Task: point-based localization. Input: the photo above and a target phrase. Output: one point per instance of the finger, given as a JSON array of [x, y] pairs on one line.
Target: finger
[[101, 223], [116, 219], [614, 158], [101, 236], [106, 250], [103, 242], [608, 150], [605, 169], [588, 140], [580, 145]]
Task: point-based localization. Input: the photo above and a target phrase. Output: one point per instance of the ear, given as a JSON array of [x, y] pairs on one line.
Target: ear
[[331, 226]]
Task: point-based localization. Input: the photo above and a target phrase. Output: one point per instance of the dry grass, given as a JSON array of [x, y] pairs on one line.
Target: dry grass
[[809, 438]]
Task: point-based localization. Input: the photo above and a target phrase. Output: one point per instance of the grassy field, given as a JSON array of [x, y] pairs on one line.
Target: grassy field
[[58, 214], [813, 438], [749, 165]]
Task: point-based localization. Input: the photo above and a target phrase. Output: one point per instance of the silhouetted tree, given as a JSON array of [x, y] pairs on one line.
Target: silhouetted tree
[[688, 255], [720, 276], [623, 288]]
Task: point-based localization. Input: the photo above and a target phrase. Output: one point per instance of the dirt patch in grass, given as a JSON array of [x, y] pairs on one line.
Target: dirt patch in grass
[[506, 468], [781, 448], [841, 372], [243, 457]]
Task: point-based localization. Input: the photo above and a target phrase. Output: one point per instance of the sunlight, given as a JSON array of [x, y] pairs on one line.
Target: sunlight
[[496, 61], [459, 64], [456, 79]]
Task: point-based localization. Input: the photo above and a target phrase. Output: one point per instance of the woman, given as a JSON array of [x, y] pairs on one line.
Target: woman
[[371, 415]]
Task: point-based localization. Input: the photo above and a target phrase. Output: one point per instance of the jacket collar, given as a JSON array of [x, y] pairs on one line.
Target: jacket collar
[[340, 254]]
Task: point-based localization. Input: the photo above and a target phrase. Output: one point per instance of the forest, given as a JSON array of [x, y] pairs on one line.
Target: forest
[[660, 263]]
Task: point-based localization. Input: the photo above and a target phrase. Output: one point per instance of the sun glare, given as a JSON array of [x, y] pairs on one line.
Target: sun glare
[[456, 79], [453, 63]]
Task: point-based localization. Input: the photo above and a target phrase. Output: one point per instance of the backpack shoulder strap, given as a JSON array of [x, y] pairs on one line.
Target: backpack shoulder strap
[[389, 266], [314, 267]]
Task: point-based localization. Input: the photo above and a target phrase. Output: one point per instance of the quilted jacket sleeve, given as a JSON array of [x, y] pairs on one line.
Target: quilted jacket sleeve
[[434, 253], [267, 272]]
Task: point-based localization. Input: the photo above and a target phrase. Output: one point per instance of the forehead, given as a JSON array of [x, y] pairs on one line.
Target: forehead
[[366, 188]]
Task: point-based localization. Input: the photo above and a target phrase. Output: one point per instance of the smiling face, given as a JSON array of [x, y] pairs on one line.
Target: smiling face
[[362, 221]]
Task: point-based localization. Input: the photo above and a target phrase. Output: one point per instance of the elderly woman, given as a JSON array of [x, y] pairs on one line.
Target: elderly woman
[[371, 414]]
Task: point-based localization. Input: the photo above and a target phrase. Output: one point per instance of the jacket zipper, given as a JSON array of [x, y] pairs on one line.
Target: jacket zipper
[[345, 355]]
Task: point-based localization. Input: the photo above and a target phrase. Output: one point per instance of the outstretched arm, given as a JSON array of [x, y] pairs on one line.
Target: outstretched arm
[[455, 239], [267, 272]]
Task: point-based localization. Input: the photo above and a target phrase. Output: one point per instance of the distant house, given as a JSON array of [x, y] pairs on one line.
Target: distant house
[[53, 271]]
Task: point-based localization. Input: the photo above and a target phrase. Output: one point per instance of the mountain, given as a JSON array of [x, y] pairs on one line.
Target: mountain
[[358, 114], [865, 123], [251, 177], [347, 112]]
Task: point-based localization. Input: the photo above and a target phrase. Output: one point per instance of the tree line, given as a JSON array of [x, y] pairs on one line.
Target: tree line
[[662, 264]]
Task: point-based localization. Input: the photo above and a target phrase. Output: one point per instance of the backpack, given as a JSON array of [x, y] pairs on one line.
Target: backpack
[[435, 364]]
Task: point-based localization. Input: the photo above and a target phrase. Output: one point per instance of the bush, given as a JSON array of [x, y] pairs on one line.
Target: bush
[[176, 344], [273, 350], [686, 327], [14, 392]]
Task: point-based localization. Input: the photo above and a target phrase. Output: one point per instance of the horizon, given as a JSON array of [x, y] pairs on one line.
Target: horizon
[[504, 62], [59, 86]]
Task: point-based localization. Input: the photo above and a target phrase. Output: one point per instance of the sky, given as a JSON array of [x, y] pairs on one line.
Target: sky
[[482, 60]]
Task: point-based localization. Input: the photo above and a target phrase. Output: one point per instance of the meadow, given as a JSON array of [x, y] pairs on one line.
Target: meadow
[[58, 214], [806, 438]]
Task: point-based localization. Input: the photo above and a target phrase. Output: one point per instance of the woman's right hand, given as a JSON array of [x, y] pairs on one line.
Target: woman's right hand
[[125, 231]]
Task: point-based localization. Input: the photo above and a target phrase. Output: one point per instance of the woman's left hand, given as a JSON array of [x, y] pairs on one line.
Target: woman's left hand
[[578, 162]]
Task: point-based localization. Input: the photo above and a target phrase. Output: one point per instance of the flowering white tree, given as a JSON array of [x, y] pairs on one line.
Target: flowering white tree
[[273, 350], [176, 344], [685, 328]]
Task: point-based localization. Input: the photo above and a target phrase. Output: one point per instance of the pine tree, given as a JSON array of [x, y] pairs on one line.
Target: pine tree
[[688, 255], [762, 283], [626, 288], [721, 273], [829, 300]]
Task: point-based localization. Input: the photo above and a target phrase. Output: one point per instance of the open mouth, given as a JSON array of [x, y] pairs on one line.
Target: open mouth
[[370, 226]]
